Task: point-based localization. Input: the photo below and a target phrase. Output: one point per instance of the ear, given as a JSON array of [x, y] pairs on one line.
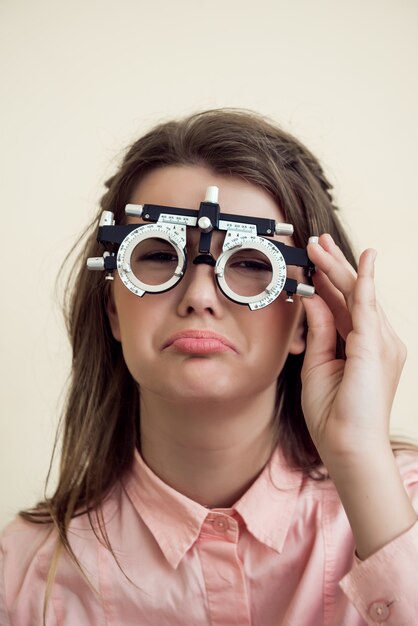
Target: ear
[[113, 316], [298, 342]]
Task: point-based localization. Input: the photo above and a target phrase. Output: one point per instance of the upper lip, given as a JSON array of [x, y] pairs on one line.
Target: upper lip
[[198, 334]]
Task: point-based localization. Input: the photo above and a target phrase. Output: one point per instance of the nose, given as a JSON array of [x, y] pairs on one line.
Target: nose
[[200, 294]]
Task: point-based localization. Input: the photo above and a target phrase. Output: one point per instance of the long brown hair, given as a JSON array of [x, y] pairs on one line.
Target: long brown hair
[[100, 425]]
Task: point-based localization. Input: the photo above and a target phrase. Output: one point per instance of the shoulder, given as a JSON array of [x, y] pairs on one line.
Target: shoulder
[[29, 549], [20, 541], [30, 552], [22, 545]]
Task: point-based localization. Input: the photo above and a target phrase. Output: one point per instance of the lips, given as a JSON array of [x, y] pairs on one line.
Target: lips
[[199, 342]]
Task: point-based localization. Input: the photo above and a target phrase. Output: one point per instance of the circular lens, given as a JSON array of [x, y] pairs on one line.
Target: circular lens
[[154, 261], [248, 272]]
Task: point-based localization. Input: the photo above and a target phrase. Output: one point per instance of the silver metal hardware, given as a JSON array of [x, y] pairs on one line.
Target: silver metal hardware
[[305, 290], [134, 210], [256, 255], [212, 194], [95, 263], [284, 229], [205, 224], [107, 218]]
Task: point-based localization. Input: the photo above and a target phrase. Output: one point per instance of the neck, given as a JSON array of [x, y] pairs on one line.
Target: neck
[[209, 452]]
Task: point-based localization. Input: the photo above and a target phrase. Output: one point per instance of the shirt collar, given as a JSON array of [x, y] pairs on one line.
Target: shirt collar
[[175, 521]]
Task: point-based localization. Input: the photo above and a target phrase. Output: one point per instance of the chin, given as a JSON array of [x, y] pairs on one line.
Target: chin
[[204, 385], [203, 382]]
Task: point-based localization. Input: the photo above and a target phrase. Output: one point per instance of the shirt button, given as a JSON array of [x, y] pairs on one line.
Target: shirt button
[[379, 611], [220, 524]]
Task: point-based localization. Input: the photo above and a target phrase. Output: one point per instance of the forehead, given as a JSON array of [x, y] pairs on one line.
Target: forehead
[[185, 186]]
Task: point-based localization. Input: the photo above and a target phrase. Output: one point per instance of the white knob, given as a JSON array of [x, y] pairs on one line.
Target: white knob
[[205, 224], [212, 194], [106, 218], [284, 229], [134, 210], [305, 290], [95, 263]]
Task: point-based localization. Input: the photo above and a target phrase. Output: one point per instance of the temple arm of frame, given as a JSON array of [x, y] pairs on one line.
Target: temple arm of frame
[[294, 256], [115, 234]]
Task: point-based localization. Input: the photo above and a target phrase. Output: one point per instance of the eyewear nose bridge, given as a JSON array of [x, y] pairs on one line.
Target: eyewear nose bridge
[[172, 225]]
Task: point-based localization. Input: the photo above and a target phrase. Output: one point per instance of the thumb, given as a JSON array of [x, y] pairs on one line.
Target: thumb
[[322, 334]]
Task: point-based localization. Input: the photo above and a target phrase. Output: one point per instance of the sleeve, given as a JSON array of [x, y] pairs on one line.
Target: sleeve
[[384, 587], [4, 618]]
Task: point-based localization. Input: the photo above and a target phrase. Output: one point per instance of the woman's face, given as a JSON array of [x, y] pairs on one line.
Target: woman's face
[[158, 331]]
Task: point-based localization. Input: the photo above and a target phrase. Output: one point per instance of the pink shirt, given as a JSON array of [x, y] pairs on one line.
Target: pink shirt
[[283, 555]]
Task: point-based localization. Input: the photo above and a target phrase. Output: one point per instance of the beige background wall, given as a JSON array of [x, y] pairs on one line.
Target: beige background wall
[[81, 79]]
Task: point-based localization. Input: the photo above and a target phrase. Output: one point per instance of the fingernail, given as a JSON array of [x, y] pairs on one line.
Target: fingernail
[[313, 239]]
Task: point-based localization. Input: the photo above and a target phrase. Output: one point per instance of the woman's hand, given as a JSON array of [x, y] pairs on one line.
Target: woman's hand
[[347, 403]]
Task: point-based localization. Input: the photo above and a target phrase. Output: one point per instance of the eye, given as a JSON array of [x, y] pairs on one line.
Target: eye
[[154, 261], [250, 263], [154, 251], [157, 256], [248, 272]]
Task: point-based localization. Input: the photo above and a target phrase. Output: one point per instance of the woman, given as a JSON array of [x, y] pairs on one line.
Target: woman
[[222, 465]]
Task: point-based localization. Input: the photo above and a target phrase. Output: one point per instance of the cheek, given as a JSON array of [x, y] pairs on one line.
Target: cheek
[[142, 323], [279, 332], [126, 315], [136, 319], [136, 339]]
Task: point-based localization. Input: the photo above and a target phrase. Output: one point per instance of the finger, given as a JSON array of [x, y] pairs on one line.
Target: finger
[[322, 335], [330, 246], [394, 345], [328, 258], [372, 331], [364, 309], [335, 301]]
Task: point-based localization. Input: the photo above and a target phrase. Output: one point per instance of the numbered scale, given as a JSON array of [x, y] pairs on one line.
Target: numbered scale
[[152, 257]]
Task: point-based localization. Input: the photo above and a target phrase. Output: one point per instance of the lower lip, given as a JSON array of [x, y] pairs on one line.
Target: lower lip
[[194, 345]]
